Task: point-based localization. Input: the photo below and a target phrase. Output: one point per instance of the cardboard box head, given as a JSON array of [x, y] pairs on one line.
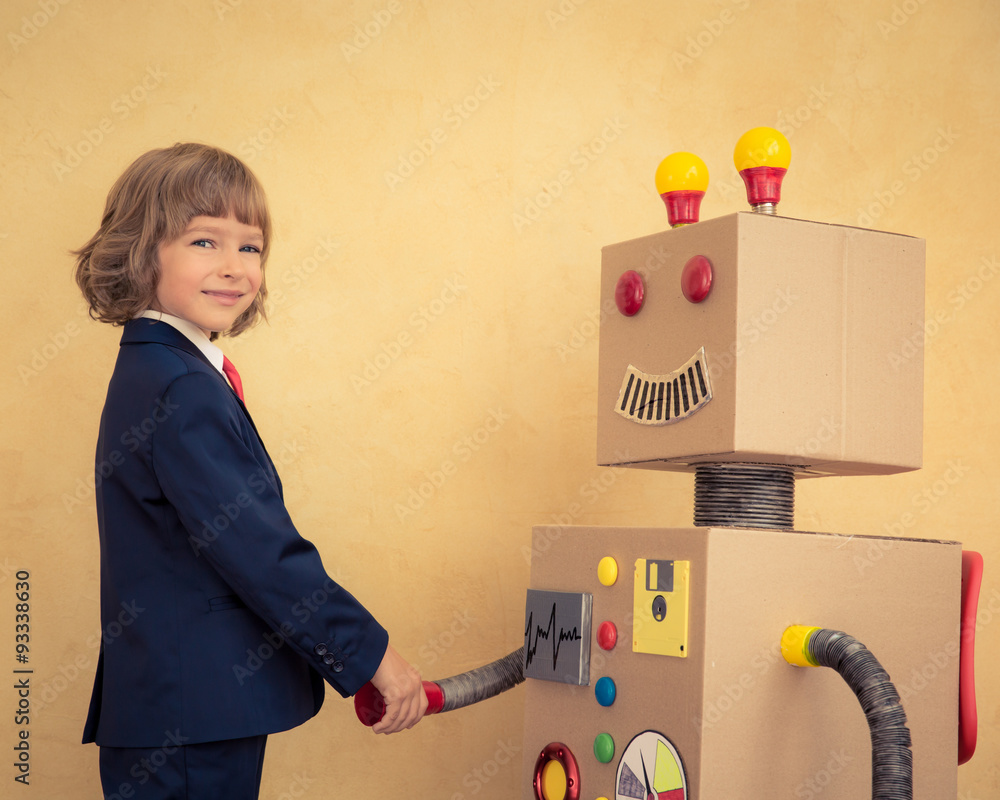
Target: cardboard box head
[[805, 350]]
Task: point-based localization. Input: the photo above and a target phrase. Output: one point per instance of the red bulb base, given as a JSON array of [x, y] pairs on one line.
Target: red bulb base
[[763, 184], [683, 207]]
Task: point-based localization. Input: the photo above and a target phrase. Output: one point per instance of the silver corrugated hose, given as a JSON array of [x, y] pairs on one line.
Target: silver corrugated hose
[[483, 682], [892, 758]]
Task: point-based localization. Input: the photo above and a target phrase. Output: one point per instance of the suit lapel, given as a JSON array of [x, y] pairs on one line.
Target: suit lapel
[[145, 329]]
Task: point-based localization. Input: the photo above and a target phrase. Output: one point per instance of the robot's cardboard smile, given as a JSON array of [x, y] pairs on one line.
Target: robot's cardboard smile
[[663, 399]]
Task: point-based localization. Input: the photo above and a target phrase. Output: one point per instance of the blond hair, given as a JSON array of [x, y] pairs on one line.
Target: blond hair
[[151, 203]]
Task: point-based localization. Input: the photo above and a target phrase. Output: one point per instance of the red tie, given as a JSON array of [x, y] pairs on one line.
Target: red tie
[[233, 375]]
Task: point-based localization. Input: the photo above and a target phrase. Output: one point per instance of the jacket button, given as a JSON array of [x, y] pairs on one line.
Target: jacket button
[[338, 666], [320, 649]]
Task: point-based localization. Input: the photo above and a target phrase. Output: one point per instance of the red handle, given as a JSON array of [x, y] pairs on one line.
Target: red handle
[[968, 729], [369, 704]]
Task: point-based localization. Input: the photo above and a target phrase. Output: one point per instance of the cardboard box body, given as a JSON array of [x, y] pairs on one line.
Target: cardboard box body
[[745, 723], [808, 333]]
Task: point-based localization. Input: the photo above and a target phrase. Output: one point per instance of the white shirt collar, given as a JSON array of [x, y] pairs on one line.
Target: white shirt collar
[[192, 332]]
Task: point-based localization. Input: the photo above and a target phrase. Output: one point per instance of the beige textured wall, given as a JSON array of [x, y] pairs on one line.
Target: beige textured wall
[[443, 175]]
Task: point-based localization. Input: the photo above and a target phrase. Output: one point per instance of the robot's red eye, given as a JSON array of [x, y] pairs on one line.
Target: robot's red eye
[[696, 279], [629, 293]]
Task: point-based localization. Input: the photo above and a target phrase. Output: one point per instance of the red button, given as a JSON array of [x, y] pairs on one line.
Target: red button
[[696, 279], [607, 636], [629, 293]]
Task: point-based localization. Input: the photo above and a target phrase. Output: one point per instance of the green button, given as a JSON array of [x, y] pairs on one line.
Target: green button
[[604, 747]]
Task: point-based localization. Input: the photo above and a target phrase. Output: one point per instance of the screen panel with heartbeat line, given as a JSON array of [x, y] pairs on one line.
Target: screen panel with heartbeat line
[[557, 636]]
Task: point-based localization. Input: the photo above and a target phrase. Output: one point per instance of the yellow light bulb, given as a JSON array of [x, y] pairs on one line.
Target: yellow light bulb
[[681, 180], [762, 156], [681, 172], [762, 147]]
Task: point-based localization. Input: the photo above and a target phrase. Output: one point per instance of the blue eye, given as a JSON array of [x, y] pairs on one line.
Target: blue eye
[[202, 243], [250, 248]]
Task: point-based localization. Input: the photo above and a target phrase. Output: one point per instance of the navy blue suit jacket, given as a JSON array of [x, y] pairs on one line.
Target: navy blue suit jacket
[[218, 618]]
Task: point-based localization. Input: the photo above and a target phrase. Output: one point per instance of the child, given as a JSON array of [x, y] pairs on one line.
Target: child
[[220, 622]]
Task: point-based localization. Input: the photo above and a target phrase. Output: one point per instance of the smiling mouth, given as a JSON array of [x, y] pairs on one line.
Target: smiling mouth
[[663, 399], [229, 298]]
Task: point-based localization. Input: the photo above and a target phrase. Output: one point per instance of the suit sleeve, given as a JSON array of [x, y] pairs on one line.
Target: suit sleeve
[[232, 509]]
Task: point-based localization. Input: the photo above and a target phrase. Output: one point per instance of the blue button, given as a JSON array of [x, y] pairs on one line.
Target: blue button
[[605, 691], [320, 649]]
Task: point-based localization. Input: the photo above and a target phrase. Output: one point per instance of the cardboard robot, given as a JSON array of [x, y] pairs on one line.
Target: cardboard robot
[[673, 664], [754, 350]]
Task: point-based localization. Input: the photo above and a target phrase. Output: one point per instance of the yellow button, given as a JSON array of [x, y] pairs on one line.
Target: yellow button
[[553, 781], [607, 571]]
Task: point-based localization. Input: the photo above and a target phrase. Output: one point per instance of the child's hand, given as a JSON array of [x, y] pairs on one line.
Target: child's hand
[[400, 685]]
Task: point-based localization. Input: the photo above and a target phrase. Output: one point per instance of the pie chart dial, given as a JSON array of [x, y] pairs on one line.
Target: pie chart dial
[[650, 769]]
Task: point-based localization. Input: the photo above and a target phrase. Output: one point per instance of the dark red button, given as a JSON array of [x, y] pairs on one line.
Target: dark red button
[[696, 279], [629, 293], [607, 636]]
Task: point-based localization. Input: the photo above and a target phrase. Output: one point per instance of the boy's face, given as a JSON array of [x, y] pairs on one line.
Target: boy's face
[[210, 274]]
